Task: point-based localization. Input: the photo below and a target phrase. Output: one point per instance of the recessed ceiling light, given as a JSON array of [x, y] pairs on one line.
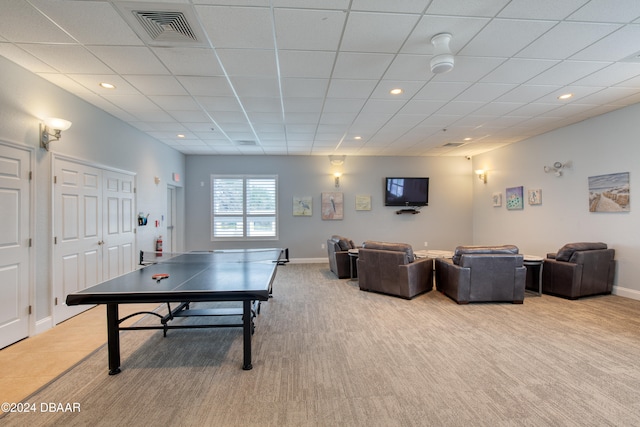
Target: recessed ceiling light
[[107, 85], [467, 139], [357, 137], [565, 96], [180, 135], [396, 91]]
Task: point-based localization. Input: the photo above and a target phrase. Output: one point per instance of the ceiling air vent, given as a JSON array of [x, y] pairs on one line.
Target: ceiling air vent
[[453, 144], [158, 25], [246, 142]]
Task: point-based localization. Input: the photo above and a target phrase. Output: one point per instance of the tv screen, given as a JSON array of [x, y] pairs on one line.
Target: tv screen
[[406, 192]]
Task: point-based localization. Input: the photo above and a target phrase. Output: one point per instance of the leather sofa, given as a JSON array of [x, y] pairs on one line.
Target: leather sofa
[[579, 270], [482, 274], [392, 269], [338, 251]]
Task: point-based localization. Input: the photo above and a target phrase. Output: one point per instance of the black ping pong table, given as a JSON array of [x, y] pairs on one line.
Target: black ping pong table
[[244, 275]]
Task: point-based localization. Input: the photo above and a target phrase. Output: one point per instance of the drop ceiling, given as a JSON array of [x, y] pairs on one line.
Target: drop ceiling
[[313, 77]]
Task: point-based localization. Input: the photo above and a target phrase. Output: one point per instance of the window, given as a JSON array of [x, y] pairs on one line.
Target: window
[[244, 207]]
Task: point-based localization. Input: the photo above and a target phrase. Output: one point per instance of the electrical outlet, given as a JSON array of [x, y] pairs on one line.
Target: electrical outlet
[[322, 246], [426, 244]]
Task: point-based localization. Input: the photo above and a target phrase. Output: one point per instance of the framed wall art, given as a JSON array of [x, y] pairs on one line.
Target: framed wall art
[[609, 193], [497, 199], [514, 196], [535, 197], [332, 205], [363, 203], [302, 206]]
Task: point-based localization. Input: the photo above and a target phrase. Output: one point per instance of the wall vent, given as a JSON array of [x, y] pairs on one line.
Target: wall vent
[[163, 24]]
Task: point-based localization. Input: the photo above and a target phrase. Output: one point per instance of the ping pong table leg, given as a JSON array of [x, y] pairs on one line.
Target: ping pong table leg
[[246, 333], [113, 335]]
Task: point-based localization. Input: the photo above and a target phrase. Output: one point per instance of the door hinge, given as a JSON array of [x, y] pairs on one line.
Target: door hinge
[[55, 179], [30, 242], [30, 311], [30, 175], [55, 301], [55, 240]]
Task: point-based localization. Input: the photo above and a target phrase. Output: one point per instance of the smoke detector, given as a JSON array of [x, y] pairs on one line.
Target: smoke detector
[[442, 60]]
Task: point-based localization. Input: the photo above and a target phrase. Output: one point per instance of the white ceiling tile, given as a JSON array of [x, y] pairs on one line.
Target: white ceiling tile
[[237, 27], [467, 7], [567, 72], [24, 59], [206, 86], [469, 69], [608, 11], [363, 32], [256, 86], [261, 120], [566, 39], [328, 118], [308, 29], [409, 89], [262, 105], [361, 65], [527, 93], [68, 58], [614, 74], [337, 105], [409, 67], [182, 61], [505, 37], [404, 6], [154, 85], [460, 108], [614, 47], [248, 62], [303, 105], [301, 87], [92, 83], [89, 22], [65, 82], [518, 71], [484, 92], [130, 59], [219, 103], [421, 106], [40, 28], [541, 9], [351, 88], [307, 64], [385, 106], [184, 103], [441, 91]]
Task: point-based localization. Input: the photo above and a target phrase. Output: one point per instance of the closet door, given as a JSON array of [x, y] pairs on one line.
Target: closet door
[[77, 239], [15, 214]]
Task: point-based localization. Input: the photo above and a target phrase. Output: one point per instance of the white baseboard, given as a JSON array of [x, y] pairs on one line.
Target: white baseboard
[[43, 325], [626, 292]]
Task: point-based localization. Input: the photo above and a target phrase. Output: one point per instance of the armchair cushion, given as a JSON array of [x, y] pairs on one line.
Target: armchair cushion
[[503, 249], [409, 256], [567, 251]]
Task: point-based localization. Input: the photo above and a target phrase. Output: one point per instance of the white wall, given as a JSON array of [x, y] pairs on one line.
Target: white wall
[[602, 145], [445, 223], [96, 137]]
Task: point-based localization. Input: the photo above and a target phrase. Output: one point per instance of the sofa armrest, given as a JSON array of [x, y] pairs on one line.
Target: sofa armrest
[[561, 277]]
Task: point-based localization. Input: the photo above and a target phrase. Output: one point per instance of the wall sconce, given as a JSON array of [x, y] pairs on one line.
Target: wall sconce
[[337, 176], [482, 175], [51, 130]]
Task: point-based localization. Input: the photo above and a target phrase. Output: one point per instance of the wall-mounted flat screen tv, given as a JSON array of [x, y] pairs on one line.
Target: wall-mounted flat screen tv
[[406, 191]]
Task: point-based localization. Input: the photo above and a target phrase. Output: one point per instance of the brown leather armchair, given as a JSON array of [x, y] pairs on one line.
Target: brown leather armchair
[[482, 274], [338, 251], [391, 268], [579, 270]]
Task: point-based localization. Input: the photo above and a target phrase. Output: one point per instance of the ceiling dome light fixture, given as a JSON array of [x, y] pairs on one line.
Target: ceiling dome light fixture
[[442, 60]]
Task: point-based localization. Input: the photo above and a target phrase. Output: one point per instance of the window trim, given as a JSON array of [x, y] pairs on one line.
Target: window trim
[[244, 215]]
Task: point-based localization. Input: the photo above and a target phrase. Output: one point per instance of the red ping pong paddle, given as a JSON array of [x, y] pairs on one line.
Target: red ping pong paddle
[[159, 276]]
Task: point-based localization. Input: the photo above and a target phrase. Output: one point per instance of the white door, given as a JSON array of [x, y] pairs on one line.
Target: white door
[[77, 258], [94, 235], [118, 238], [15, 187]]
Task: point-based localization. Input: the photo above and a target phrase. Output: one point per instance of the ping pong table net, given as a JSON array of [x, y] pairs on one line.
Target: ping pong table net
[[216, 256]]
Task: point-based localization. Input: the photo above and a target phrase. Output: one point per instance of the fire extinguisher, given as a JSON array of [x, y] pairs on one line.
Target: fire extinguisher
[[159, 245]]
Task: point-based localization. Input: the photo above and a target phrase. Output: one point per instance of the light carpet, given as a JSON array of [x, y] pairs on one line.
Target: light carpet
[[327, 354]]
